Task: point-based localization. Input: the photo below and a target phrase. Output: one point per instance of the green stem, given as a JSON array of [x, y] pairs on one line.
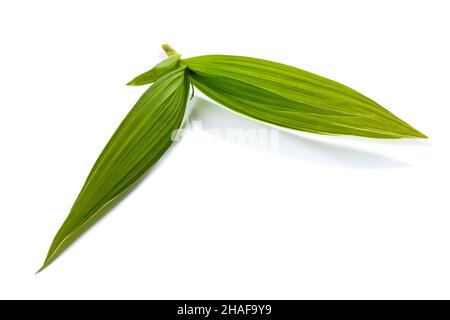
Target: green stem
[[168, 49]]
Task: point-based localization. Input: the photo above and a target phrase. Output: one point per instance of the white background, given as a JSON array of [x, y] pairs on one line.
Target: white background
[[324, 217]]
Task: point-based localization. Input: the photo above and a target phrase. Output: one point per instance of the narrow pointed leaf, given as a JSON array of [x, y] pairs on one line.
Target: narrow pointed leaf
[[289, 97], [140, 140], [165, 66], [263, 90]]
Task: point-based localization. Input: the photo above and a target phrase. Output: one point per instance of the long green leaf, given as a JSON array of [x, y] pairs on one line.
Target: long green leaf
[[140, 140], [272, 92], [289, 97]]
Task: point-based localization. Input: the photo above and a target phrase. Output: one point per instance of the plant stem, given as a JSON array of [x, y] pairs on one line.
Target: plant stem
[[168, 49]]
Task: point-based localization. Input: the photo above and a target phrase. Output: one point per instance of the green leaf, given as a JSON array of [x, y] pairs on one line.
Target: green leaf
[[289, 97], [165, 66], [140, 140], [264, 90]]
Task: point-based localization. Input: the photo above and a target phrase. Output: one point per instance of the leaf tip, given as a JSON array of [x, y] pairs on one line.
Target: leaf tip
[[40, 269], [422, 136], [414, 133]]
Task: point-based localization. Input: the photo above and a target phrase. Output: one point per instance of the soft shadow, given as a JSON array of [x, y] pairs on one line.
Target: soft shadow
[[215, 118]]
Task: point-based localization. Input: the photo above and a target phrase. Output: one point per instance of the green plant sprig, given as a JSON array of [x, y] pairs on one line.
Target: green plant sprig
[[267, 91]]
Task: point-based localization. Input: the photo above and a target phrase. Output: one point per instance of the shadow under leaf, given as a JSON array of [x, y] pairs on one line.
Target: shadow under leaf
[[214, 118]]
